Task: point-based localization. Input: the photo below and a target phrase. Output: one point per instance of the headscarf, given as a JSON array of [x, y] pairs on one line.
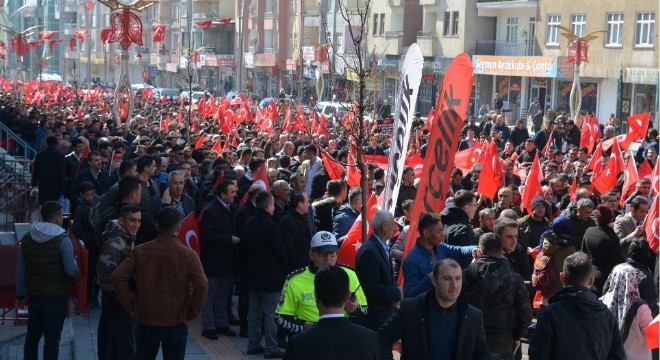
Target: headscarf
[[622, 297]]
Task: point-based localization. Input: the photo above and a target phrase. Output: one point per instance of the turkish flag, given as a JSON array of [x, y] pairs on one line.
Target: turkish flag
[[644, 170], [272, 111], [596, 161], [347, 119], [630, 179], [301, 122], [322, 128], [652, 334], [217, 147], [261, 177], [332, 167], [200, 141], [80, 34], [585, 135], [596, 134], [430, 120], [655, 177], [573, 188], [123, 111], [652, 224], [157, 33], [491, 172], [79, 114], [243, 114], [72, 43], [349, 247], [639, 124], [165, 124], [106, 34], [533, 184], [189, 233], [607, 180], [205, 23], [624, 141], [147, 94], [287, 124], [352, 172], [163, 100], [223, 21], [464, 159], [45, 35]]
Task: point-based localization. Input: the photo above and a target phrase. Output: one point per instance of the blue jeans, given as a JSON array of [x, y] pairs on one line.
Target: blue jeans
[[172, 338], [46, 316]]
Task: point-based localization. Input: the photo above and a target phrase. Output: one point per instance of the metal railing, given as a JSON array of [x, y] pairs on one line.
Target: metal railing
[[393, 33], [14, 144], [425, 34], [16, 203], [506, 48]]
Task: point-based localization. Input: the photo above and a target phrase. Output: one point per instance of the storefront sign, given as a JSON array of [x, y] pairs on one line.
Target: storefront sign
[[308, 53], [170, 67], [564, 68], [371, 83], [535, 66], [641, 75], [225, 60], [387, 64], [291, 64], [265, 60], [392, 74]]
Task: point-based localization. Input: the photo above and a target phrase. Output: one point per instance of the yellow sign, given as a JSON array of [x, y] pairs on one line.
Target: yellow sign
[[371, 83]]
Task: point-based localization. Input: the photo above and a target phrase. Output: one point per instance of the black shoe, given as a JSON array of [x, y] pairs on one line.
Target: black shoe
[[226, 331], [209, 334], [259, 350], [276, 355]]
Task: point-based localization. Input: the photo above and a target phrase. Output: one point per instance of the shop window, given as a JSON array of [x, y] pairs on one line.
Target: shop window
[[578, 23], [552, 33], [645, 29], [614, 30]]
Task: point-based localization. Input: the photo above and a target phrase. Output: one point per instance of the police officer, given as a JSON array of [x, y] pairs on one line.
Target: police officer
[[297, 309]]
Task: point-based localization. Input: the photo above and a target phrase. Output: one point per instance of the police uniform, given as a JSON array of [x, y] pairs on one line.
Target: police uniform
[[297, 302]]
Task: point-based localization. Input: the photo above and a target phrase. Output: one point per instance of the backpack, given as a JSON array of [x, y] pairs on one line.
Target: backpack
[[544, 277]]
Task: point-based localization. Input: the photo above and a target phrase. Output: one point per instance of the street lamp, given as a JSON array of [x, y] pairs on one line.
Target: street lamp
[[126, 29], [577, 54]]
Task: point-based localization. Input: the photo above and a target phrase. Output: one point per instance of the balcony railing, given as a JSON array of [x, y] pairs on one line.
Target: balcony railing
[[391, 34], [505, 48], [426, 41]]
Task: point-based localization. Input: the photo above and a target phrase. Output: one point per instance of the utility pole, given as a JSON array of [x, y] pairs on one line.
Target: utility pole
[[89, 11], [301, 70], [239, 69], [333, 47]]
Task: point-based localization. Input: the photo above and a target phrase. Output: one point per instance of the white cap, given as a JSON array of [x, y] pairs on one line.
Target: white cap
[[323, 242]]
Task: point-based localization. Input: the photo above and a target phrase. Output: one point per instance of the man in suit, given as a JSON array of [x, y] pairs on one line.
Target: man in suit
[[334, 336], [374, 269], [264, 276], [48, 172], [73, 165], [174, 196], [630, 226], [436, 324], [218, 258]]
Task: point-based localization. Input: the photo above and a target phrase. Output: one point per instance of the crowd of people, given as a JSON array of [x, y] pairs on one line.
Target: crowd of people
[[478, 274]]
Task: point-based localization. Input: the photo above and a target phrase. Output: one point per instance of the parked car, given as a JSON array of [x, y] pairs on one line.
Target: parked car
[[337, 109], [196, 96], [170, 93]]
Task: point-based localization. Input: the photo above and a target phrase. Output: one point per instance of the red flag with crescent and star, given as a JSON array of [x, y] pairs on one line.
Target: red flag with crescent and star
[[652, 224], [157, 33], [189, 233]]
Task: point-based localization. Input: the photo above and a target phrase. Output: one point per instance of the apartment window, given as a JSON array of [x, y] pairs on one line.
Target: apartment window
[[174, 10], [512, 30], [94, 20], [645, 29], [614, 30], [382, 24], [82, 21], [578, 23], [375, 25], [450, 25], [106, 20], [552, 33], [339, 40]]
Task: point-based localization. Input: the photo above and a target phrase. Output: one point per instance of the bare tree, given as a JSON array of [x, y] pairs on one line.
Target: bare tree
[[361, 63]]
